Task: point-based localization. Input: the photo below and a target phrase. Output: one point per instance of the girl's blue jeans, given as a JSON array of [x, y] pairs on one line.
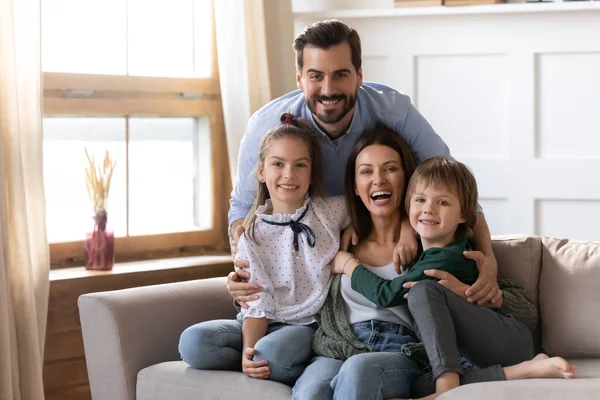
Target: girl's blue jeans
[[217, 345]]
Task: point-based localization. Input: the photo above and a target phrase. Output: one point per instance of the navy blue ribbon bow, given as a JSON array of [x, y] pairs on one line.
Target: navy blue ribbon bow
[[297, 228]]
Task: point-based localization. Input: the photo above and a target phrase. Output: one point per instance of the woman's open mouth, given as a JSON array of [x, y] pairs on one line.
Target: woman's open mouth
[[381, 198]]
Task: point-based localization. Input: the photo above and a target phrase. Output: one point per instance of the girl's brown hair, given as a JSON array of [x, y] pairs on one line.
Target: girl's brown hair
[[290, 127], [382, 135], [449, 174]]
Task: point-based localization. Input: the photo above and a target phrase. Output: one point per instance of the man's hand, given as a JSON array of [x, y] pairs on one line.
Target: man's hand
[[237, 282], [406, 249], [254, 369], [446, 279], [349, 236], [485, 289]]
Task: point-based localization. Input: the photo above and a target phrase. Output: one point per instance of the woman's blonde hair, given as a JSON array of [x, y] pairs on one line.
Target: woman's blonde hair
[[290, 127]]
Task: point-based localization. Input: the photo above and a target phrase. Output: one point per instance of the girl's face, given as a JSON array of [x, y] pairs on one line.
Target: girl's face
[[435, 214], [379, 180], [286, 172]]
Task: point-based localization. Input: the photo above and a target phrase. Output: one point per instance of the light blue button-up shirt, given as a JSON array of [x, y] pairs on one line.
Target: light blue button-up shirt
[[375, 103]]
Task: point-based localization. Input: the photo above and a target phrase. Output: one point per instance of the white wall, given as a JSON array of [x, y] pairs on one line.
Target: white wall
[[280, 35], [515, 95]]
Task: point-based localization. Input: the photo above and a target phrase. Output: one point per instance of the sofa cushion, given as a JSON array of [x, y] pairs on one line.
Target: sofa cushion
[[569, 297], [538, 389], [585, 387], [176, 380], [520, 257]]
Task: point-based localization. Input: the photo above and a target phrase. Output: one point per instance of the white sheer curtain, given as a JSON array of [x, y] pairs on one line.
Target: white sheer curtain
[[24, 260], [254, 46]]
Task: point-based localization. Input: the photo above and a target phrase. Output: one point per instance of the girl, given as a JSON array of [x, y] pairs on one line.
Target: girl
[[291, 235]]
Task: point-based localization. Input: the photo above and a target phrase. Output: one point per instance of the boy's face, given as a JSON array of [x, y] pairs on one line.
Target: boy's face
[[435, 214], [330, 83], [286, 172]]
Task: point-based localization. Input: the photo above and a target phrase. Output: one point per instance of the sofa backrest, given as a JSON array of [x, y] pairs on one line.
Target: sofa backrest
[[570, 297], [520, 258]]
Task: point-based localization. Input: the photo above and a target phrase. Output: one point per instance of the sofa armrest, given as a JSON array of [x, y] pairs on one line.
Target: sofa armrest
[[125, 331]]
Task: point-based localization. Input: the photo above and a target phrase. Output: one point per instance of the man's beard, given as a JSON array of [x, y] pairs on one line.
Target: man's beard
[[331, 116]]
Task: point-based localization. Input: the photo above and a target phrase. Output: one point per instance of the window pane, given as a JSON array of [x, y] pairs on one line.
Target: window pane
[[170, 38], [84, 36], [170, 178], [69, 210]]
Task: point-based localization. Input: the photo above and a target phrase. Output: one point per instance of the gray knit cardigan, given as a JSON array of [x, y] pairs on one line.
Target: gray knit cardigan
[[335, 339]]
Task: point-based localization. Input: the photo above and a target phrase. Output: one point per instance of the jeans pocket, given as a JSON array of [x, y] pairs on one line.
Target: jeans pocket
[[363, 331]]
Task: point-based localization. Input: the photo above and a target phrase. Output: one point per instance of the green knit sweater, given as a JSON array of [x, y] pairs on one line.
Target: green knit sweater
[[335, 339]]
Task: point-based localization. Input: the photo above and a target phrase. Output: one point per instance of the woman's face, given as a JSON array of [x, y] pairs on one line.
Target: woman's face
[[379, 179]]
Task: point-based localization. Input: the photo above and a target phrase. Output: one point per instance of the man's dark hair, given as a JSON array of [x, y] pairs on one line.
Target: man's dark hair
[[323, 35]]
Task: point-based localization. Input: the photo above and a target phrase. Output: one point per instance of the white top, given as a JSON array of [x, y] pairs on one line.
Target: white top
[[295, 284], [361, 309]]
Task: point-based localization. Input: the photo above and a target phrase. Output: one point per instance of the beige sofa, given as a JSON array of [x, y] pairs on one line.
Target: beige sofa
[[131, 335]]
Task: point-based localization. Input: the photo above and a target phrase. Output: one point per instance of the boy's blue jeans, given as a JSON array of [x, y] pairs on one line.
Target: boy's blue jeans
[[217, 345]]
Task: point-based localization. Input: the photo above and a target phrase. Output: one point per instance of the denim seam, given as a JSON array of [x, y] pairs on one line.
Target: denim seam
[[372, 335]]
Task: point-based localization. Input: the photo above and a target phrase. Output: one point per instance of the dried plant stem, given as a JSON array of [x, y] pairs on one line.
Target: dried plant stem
[[98, 178]]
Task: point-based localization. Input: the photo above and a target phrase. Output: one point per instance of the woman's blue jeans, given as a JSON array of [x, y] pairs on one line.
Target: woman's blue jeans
[[217, 345], [383, 374]]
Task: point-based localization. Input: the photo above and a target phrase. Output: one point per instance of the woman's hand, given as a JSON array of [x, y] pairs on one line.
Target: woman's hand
[[485, 289], [254, 369], [406, 248], [446, 279], [349, 236]]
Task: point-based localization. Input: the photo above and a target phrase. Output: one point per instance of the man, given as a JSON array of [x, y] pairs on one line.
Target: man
[[333, 97]]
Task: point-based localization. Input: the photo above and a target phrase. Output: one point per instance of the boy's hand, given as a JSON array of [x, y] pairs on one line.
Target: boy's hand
[[406, 249], [337, 264], [485, 289], [254, 369]]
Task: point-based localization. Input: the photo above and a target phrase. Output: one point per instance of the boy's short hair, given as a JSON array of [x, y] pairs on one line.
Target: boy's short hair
[[447, 173]]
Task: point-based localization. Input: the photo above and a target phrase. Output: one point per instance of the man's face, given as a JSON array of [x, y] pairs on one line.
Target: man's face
[[329, 82]]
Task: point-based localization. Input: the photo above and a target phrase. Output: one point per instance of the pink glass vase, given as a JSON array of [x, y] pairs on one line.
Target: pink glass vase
[[100, 245]]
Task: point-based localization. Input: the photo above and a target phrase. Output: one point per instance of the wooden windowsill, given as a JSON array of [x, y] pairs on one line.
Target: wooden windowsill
[[141, 266]]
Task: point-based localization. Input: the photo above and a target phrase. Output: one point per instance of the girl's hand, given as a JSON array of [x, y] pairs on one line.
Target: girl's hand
[[337, 264], [254, 369], [446, 279], [407, 247]]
